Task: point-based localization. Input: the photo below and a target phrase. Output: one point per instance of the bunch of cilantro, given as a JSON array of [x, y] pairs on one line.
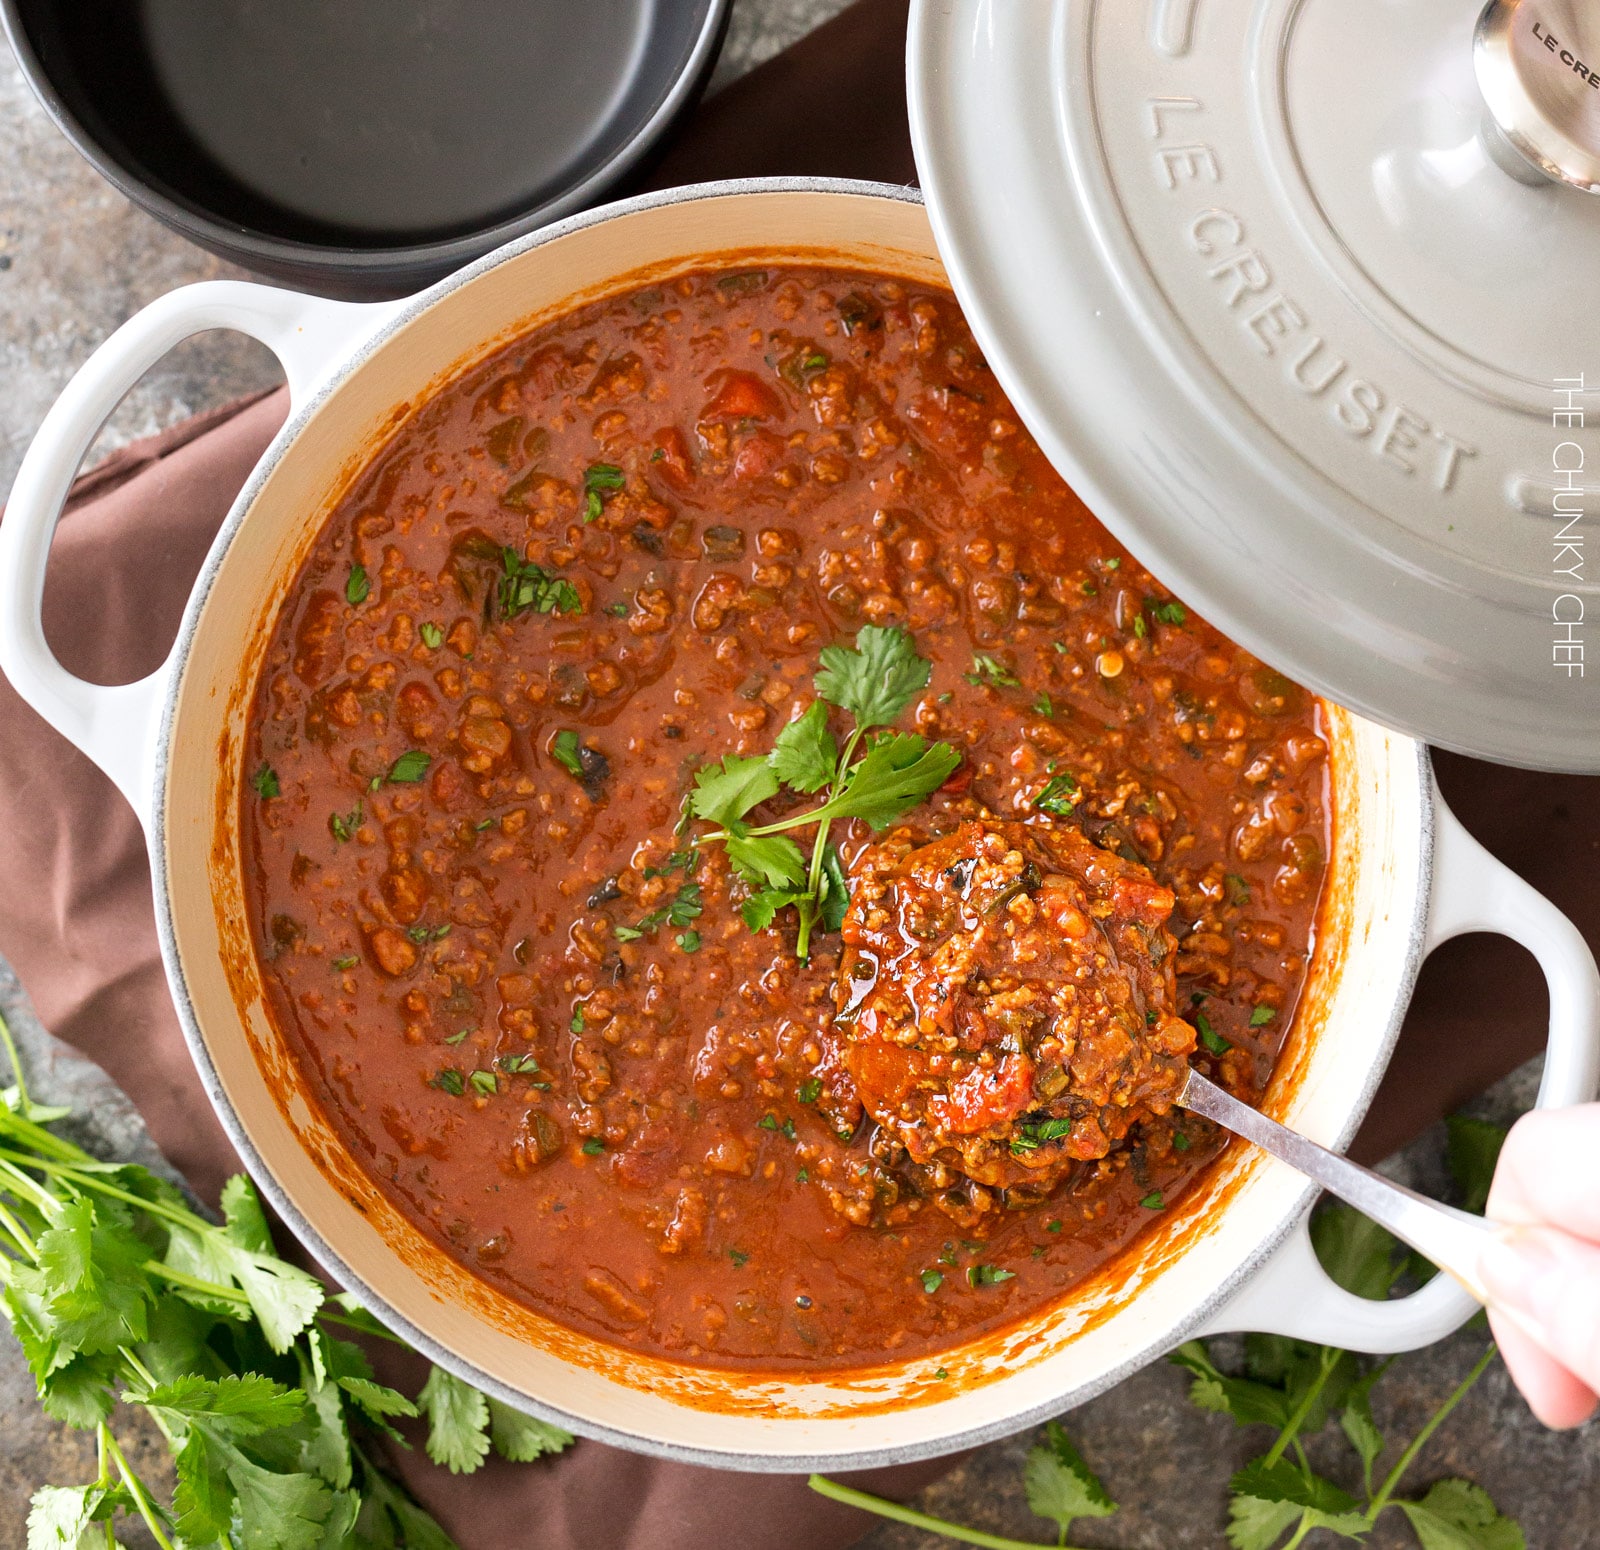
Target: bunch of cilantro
[[117, 1290], [1298, 1390], [872, 683]]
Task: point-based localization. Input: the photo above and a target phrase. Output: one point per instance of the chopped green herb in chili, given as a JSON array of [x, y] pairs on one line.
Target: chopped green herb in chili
[[1059, 797], [599, 480], [1209, 1036], [409, 768], [991, 670]]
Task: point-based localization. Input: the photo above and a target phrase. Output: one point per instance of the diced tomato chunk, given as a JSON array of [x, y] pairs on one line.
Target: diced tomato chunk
[[737, 395]]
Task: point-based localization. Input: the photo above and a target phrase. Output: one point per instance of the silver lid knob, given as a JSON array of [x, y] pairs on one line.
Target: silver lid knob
[[1538, 65]]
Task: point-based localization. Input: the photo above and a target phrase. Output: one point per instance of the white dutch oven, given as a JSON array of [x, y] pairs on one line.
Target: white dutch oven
[[1403, 877]]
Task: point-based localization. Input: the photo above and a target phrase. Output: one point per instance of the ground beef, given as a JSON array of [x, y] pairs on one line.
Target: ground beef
[[1008, 999]]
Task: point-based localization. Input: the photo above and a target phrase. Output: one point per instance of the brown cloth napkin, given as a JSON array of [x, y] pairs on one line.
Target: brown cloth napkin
[[75, 914]]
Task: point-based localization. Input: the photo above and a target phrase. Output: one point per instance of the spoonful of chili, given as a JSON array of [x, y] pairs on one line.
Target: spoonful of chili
[[1008, 997]]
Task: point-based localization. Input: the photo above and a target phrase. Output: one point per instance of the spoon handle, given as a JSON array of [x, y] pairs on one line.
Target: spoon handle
[[1453, 1240]]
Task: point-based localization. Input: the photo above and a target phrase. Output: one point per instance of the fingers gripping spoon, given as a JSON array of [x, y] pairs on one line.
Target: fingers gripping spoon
[[1451, 1239]]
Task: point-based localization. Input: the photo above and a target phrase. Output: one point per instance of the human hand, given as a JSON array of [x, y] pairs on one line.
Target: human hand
[[1545, 1268]]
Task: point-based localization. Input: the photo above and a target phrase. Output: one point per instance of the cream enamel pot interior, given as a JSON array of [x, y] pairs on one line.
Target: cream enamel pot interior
[[1234, 1255]]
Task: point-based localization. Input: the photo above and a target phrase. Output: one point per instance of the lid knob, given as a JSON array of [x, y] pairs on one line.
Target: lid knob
[[1538, 65]]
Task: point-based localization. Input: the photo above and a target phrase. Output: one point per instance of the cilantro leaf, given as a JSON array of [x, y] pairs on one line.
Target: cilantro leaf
[[265, 783], [94, 1292], [1256, 1524], [805, 757], [1249, 1403], [1283, 1493], [1472, 1150], [390, 1520], [244, 1215], [458, 1422], [760, 910], [409, 768], [523, 1438], [1360, 1255], [1457, 1515], [283, 1298], [1356, 1422], [769, 859], [274, 1510], [1060, 1485], [80, 1393], [238, 1406], [62, 1517], [876, 680], [357, 586], [896, 773], [725, 792], [203, 1500], [376, 1400]]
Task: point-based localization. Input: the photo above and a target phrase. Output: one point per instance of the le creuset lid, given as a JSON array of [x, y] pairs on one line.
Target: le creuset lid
[[1303, 296]]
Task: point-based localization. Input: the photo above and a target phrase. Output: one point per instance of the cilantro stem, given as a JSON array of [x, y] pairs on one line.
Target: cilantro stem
[[1301, 1532], [103, 1480], [851, 1497], [136, 1490], [30, 1189], [31, 1133], [148, 1379], [145, 1376], [819, 850], [86, 1180], [18, 1232], [24, 1102], [195, 1284], [1297, 1418], [1406, 1459], [323, 1316]]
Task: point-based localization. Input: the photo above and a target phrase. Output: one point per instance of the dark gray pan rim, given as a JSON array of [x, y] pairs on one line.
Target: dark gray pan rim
[[248, 246], [329, 1257]]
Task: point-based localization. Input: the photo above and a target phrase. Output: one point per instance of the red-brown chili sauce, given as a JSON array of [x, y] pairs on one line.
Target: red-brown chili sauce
[[517, 984]]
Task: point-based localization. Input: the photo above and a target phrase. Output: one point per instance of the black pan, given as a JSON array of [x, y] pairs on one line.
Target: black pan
[[364, 148]]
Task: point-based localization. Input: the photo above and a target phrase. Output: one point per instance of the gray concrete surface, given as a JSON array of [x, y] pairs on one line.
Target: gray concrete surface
[[75, 259]]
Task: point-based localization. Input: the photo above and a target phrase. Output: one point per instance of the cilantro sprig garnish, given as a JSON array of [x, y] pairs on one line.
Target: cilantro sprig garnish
[[117, 1289], [873, 683]]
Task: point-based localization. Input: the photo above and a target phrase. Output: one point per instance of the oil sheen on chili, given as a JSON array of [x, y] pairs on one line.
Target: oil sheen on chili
[[518, 979]]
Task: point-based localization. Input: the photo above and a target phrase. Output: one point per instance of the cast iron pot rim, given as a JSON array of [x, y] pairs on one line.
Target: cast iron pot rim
[[279, 254], [330, 1259]]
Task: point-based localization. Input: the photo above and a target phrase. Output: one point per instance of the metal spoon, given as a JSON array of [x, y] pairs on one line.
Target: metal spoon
[[1451, 1239]]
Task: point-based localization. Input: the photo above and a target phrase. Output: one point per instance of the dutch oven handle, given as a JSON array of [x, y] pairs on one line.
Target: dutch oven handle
[[1292, 1294], [118, 726]]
